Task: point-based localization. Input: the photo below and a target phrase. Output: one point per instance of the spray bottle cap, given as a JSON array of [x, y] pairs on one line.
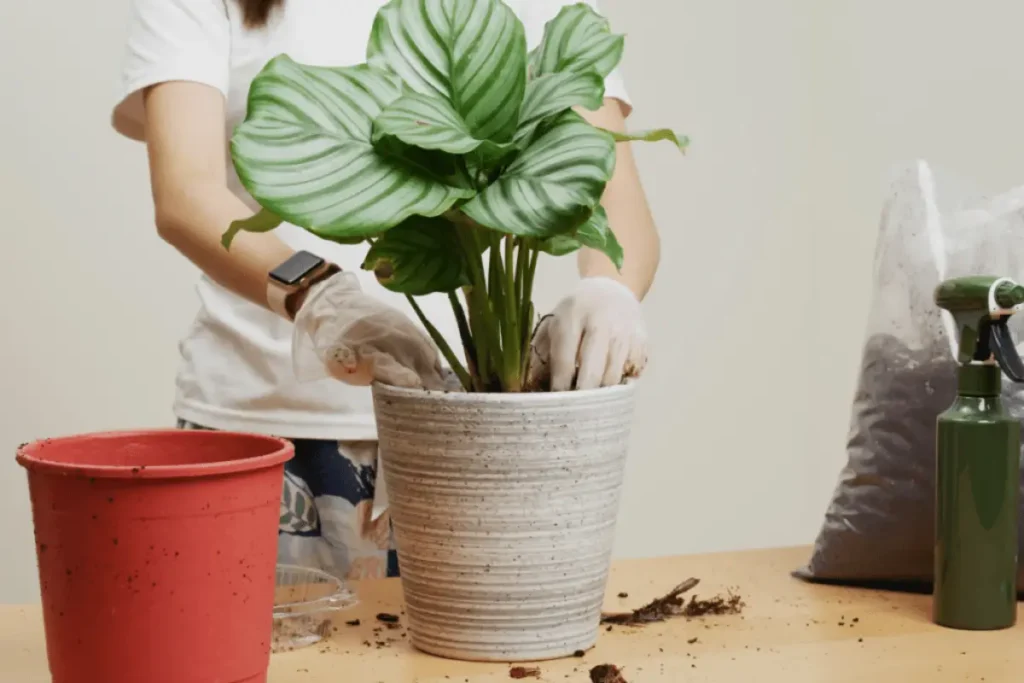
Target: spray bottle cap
[[981, 307]]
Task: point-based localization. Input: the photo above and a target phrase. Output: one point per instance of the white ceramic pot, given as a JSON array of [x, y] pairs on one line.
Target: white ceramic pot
[[504, 509]]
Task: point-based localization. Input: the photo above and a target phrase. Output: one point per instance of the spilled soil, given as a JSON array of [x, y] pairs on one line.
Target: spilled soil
[[524, 672], [673, 604], [606, 673]]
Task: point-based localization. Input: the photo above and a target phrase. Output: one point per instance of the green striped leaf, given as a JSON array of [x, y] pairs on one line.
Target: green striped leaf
[[553, 186], [304, 152], [680, 141], [560, 245], [595, 234], [420, 256], [579, 40], [431, 123], [262, 221], [472, 53], [551, 94]]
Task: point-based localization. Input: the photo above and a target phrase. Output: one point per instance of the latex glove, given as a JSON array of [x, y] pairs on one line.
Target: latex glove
[[595, 337], [342, 332]]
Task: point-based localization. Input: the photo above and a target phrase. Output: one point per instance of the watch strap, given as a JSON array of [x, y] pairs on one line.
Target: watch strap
[[293, 301], [293, 277], [277, 298]]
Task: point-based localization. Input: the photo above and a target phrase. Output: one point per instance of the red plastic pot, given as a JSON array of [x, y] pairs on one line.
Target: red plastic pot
[[156, 554]]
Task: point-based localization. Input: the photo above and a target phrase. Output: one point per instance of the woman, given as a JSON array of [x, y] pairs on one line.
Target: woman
[[186, 76]]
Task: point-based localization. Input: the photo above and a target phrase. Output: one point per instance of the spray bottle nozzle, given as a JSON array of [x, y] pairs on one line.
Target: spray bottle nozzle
[[981, 307]]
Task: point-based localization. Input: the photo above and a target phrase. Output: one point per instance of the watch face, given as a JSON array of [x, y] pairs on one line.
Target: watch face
[[295, 268]]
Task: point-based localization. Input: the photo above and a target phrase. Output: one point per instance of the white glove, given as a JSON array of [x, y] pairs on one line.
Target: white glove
[[595, 336], [344, 333]]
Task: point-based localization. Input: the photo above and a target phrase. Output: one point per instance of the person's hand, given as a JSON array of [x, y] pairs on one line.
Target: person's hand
[[342, 332], [595, 337]]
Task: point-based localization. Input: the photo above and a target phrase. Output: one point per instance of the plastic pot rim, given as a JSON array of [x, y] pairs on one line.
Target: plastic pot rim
[[277, 452]]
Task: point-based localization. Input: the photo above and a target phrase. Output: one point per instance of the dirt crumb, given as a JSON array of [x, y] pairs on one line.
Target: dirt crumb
[[727, 604], [386, 618], [524, 672], [623, 595], [354, 622], [579, 653], [606, 673]]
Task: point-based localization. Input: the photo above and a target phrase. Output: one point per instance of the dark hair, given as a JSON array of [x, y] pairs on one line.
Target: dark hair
[[255, 13]]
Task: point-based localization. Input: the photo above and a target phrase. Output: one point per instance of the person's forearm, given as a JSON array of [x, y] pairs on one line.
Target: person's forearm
[[194, 225], [185, 139], [628, 215], [631, 221]]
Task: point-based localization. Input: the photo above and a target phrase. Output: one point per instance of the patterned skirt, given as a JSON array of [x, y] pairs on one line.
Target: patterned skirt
[[328, 520]]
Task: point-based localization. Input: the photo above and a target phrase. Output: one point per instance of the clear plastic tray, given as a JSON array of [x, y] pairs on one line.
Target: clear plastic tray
[[304, 602]]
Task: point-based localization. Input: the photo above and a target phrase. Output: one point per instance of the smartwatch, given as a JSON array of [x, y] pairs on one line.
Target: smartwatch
[[294, 277]]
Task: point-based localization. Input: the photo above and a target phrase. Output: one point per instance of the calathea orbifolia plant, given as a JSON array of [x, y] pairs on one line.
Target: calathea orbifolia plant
[[453, 151]]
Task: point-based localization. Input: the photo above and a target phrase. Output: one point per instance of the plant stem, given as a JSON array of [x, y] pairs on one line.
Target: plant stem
[[527, 333], [481, 316], [483, 353], [522, 272], [527, 302], [501, 299], [512, 313], [467, 342], [495, 289], [446, 350], [528, 277], [522, 258]]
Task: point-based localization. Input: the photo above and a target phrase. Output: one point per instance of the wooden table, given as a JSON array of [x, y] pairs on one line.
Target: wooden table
[[789, 631]]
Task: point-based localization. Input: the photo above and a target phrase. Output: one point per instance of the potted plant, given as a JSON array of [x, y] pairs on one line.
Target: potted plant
[[460, 160]]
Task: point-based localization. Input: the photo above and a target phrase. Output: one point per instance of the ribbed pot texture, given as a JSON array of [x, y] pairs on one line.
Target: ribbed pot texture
[[504, 509]]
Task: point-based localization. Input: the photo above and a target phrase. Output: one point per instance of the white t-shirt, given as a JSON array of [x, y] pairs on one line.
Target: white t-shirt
[[236, 371]]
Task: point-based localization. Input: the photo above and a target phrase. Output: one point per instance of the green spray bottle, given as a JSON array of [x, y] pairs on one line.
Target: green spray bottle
[[978, 462]]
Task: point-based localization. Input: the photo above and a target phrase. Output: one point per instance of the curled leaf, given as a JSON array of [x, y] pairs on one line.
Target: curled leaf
[[656, 135], [596, 233], [420, 256], [560, 245], [578, 39], [261, 221]]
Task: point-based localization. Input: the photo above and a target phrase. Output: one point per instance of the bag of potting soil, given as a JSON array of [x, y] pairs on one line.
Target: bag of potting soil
[[879, 524]]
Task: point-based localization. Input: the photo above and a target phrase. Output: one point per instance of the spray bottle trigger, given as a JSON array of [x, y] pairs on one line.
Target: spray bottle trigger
[[1005, 351]]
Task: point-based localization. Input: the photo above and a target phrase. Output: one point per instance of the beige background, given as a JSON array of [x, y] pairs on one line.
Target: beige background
[[797, 109]]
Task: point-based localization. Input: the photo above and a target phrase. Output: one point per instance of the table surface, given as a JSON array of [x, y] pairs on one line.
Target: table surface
[[789, 631]]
